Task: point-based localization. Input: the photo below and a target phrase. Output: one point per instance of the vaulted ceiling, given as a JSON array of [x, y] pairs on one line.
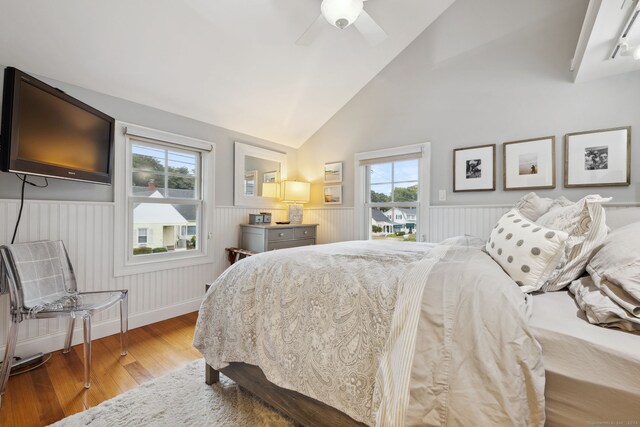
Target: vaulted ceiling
[[231, 63]]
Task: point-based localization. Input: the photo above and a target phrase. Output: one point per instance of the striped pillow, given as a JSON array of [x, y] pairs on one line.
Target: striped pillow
[[585, 223]]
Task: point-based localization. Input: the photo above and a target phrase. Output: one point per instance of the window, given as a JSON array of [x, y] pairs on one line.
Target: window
[[164, 197], [188, 230], [142, 236], [393, 187], [162, 200]]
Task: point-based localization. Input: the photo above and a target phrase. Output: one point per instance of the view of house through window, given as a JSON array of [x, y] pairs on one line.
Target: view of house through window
[[394, 224], [165, 197], [393, 199]]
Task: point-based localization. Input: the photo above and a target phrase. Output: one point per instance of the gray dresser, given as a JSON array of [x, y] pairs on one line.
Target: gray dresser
[[265, 237]]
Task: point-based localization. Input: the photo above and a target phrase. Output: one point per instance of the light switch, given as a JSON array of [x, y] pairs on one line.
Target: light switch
[[442, 195]]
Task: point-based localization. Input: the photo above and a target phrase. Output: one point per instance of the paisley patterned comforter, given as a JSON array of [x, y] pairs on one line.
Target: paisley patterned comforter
[[391, 333]]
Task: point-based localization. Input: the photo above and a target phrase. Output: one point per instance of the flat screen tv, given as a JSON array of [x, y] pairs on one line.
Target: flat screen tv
[[48, 133]]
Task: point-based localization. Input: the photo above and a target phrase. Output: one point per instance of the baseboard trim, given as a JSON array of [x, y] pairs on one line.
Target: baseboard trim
[[55, 341]]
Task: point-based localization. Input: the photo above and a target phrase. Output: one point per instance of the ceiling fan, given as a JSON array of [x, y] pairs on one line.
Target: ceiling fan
[[341, 14]]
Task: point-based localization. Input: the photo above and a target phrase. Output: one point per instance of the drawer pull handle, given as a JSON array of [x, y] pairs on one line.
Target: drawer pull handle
[[281, 234], [306, 232]]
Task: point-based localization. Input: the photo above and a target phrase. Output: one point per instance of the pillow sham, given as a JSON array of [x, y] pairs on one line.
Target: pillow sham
[[615, 268], [526, 251], [584, 222], [599, 309], [532, 206]]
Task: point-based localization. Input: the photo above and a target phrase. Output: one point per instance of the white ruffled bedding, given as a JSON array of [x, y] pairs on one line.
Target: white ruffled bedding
[[391, 333]]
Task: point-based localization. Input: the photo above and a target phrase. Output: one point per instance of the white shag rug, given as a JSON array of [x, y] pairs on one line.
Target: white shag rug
[[180, 398]]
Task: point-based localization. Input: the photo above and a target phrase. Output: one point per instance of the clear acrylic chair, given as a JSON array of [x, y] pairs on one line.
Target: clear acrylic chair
[[41, 284]]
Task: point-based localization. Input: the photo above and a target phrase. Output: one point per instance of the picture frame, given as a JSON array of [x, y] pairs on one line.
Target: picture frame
[[598, 158], [332, 194], [529, 164], [333, 172], [474, 168], [271, 176]]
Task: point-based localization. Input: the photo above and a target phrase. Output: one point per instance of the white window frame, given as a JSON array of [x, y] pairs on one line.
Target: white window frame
[[146, 236], [124, 261], [362, 211]]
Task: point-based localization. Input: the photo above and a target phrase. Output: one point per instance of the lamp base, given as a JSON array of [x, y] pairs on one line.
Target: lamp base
[[295, 213]]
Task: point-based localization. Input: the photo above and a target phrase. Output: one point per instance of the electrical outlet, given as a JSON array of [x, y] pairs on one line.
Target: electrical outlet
[[442, 195]]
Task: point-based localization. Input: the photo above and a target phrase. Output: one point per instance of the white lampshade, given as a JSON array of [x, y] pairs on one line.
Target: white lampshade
[[296, 191], [341, 13], [271, 189]]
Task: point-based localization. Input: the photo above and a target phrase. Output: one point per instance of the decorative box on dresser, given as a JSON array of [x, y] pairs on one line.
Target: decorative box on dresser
[[266, 237]]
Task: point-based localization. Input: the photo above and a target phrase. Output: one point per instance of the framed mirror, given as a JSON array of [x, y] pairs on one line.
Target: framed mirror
[[253, 167]]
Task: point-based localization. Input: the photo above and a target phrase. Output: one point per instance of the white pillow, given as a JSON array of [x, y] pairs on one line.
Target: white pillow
[[526, 251], [532, 206], [585, 224]]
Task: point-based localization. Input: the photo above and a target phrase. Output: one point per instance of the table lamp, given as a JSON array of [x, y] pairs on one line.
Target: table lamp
[[271, 189], [295, 193]]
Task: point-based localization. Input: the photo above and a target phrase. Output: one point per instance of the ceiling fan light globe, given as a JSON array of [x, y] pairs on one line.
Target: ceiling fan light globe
[[342, 23], [341, 13]]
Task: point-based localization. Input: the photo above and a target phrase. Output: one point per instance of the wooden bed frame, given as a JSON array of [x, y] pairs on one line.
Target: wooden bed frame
[[303, 410]]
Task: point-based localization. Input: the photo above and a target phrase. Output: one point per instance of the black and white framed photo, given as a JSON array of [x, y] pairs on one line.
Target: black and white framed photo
[[598, 158], [333, 172], [529, 164], [333, 194], [474, 168]]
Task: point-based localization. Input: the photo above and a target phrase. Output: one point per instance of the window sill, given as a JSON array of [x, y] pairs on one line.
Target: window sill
[[161, 263]]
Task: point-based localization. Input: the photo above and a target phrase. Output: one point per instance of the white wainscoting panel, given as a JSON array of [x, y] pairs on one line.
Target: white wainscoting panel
[[87, 230], [336, 224], [450, 221]]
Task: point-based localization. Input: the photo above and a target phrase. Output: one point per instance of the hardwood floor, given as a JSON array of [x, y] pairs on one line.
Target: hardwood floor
[[55, 390]]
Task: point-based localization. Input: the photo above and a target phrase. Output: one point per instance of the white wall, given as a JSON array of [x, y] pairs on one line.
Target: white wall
[[485, 72]]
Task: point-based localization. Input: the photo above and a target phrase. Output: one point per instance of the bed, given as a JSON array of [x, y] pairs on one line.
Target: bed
[[517, 360], [386, 333]]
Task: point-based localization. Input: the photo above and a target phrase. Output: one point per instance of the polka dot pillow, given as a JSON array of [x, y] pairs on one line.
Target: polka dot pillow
[[527, 252]]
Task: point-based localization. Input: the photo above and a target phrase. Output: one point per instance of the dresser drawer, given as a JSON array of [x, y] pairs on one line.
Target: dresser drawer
[[266, 237], [304, 232], [290, 244], [280, 234]]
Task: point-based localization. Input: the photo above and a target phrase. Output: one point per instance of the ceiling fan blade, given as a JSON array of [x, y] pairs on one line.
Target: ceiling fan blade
[[312, 32], [369, 29]]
